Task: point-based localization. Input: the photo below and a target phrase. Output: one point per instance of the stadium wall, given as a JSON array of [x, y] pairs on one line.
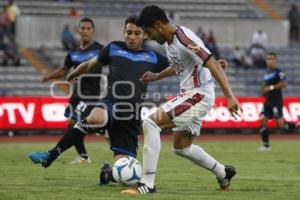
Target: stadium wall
[[33, 31], [48, 113]]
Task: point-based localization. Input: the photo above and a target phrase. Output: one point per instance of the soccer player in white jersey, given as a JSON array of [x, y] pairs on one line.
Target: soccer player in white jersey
[[193, 63]]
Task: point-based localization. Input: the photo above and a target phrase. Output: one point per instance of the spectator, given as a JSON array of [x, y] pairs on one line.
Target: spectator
[[260, 37], [76, 37], [294, 19], [13, 12], [212, 45], [240, 58], [8, 51], [171, 15], [73, 12], [257, 54], [67, 39], [201, 34], [4, 21]]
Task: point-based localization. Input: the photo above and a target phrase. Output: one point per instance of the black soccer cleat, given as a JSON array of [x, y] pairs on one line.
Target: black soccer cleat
[[225, 182], [140, 189], [105, 174]]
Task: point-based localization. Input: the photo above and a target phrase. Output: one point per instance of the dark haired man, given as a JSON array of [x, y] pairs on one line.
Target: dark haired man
[[193, 63], [274, 82], [119, 111], [78, 104]]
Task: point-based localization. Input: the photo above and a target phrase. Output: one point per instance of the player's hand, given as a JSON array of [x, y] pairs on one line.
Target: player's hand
[[45, 78], [223, 63], [149, 77], [72, 78], [266, 89], [234, 107]]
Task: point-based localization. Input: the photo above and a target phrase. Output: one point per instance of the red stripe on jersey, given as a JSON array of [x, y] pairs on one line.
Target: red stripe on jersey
[[187, 104], [187, 42], [183, 38], [196, 76]]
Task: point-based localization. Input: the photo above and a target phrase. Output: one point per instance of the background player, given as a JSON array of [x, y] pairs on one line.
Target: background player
[[193, 63], [78, 104], [274, 82], [119, 111]]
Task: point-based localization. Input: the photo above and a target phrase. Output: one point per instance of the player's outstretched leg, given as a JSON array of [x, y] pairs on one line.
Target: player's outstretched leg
[[98, 116], [73, 136], [67, 141], [183, 147]]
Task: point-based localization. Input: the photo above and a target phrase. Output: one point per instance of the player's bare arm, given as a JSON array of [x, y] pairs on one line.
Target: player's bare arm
[[280, 85], [150, 76], [58, 73], [84, 67], [218, 73], [224, 64]]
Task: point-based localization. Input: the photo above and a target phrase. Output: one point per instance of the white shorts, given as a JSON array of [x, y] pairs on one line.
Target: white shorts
[[188, 109]]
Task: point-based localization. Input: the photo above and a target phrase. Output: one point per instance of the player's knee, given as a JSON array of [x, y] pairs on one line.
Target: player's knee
[[149, 124], [181, 151], [263, 121], [92, 119], [71, 123], [99, 118]]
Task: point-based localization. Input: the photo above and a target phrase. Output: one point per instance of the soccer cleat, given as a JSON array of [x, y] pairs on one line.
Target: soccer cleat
[[264, 148], [140, 189], [225, 182], [39, 157], [105, 174], [81, 160]]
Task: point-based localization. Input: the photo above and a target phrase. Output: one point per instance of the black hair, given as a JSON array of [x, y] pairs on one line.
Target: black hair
[[86, 19], [132, 19], [151, 14], [272, 54]]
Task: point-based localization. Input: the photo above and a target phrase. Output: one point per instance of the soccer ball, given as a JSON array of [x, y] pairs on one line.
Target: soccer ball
[[127, 170]]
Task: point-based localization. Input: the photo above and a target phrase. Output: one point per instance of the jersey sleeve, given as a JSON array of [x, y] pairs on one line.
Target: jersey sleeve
[[162, 63], [281, 75], [103, 56], [68, 62], [193, 46]]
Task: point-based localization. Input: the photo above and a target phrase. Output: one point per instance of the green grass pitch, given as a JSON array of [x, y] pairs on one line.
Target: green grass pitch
[[261, 175]]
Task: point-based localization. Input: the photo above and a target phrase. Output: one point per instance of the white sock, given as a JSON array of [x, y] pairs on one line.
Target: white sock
[[151, 151], [198, 156]]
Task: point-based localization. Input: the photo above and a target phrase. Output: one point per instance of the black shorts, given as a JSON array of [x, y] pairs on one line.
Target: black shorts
[[123, 133], [79, 108], [124, 137], [272, 111]]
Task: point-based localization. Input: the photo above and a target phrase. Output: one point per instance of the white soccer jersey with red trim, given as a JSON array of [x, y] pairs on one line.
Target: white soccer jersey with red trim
[[187, 54]]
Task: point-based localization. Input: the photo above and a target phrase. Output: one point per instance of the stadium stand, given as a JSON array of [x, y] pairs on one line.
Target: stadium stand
[[191, 9], [179, 9], [48, 7], [282, 6], [23, 81]]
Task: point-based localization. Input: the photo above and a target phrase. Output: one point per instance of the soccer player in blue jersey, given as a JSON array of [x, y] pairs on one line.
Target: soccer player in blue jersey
[[79, 102], [119, 111], [274, 82]]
